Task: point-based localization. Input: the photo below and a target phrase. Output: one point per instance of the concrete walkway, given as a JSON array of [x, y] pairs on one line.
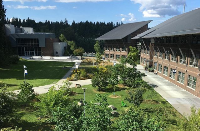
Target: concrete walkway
[[45, 88], [180, 99]]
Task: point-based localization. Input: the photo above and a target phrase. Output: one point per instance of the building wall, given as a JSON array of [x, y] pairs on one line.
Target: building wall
[[175, 65], [115, 49], [59, 48], [48, 49]]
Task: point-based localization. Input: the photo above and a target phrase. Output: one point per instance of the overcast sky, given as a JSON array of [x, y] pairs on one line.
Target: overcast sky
[[126, 11]]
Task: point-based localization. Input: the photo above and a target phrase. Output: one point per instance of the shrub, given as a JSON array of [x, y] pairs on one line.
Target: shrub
[[137, 120], [135, 96], [14, 59], [6, 105], [83, 73], [53, 99], [67, 118], [26, 93]]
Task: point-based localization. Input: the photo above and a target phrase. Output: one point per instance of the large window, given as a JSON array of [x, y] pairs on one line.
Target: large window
[[181, 77], [160, 55], [111, 56], [172, 74], [107, 55], [117, 49], [191, 81], [159, 67], [155, 65], [155, 53], [117, 56], [123, 48], [165, 70]]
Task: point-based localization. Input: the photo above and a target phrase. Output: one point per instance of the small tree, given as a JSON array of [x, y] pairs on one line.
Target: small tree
[[113, 78], [133, 56], [98, 116], [136, 96], [79, 51], [97, 48], [193, 122], [26, 93], [137, 120], [71, 45], [67, 118], [100, 78], [6, 105]]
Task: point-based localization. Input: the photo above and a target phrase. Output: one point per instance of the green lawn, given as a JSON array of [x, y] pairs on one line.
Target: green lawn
[[39, 73]]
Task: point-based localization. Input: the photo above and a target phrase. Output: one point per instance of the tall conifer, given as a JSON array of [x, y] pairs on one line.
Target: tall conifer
[[4, 45]]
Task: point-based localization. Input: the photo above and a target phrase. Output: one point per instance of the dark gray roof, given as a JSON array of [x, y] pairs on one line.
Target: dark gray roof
[[187, 23], [123, 31]]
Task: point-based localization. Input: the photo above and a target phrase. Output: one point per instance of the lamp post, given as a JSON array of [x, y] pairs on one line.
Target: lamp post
[[84, 99], [25, 72]]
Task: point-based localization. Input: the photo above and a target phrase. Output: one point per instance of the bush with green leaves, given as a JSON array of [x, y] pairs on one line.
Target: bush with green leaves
[[98, 115], [53, 99], [100, 78], [67, 118], [6, 105], [192, 123], [137, 120], [136, 96], [26, 93], [131, 77]]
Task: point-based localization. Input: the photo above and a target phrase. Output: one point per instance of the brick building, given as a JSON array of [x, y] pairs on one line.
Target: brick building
[[26, 42], [172, 48], [118, 40]]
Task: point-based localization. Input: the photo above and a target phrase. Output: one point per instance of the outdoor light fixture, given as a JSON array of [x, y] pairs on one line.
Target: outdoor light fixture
[[84, 99], [25, 73]]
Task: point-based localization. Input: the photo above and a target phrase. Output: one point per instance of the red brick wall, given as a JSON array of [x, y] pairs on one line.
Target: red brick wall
[[184, 68], [48, 49]]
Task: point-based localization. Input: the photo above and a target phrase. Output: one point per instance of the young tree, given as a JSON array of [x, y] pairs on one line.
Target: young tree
[[71, 45], [27, 93], [133, 56], [100, 78], [113, 79], [79, 51], [97, 48], [98, 116]]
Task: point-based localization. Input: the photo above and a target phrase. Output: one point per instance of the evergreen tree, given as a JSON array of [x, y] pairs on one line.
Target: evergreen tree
[[4, 45]]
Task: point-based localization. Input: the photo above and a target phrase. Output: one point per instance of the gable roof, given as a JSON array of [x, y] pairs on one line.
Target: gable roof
[[123, 31], [187, 23]]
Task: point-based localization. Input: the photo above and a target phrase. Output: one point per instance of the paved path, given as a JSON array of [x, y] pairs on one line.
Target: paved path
[[45, 88], [180, 99]]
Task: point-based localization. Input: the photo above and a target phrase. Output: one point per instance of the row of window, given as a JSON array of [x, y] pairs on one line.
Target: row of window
[[116, 49], [191, 82], [116, 56]]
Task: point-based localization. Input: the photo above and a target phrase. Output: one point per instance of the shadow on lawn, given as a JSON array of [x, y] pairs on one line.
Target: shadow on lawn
[[112, 89]]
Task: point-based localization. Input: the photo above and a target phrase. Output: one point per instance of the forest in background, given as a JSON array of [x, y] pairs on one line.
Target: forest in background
[[82, 33]]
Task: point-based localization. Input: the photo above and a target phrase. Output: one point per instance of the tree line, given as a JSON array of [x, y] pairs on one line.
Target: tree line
[[82, 33]]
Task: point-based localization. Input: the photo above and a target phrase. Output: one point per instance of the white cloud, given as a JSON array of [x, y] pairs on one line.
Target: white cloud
[[32, 7], [73, 1], [43, 7], [161, 8], [74, 7], [23, 1], [123, 19], [127, 18]]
